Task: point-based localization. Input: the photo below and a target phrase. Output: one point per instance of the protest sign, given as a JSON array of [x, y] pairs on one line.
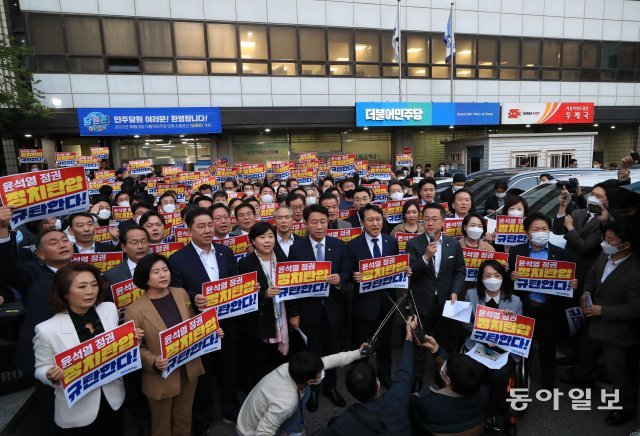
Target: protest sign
[[362, 168], [575, 319], [106, 175], [183, 236], [510, 332], [267, 210], [166, 249], [98, 361], [384, 273], [403, 238], [232, 296], [510, 230], [65, 159], [88, 162], [237, 244], [138, 167], [188, 340], [404, 160], [102, 234], [254, 171], [102, 261], [453, 227], [44, 194], [30, 155], [473, 258], [345, 235], [343, 164], [380, 172], [299, 229], [124, 293], [168, 171], [99, 152], [121, 213], [545, 276], [302, 279], [392, 211]]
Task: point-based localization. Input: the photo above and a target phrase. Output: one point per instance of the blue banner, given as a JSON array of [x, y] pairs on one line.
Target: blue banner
[[148, 121], [380, 114]]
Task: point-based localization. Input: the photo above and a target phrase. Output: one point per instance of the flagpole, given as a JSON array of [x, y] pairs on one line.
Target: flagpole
[[453, 56], [399, 56]]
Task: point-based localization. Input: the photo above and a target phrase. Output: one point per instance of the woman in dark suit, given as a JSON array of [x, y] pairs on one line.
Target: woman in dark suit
[[266, 331]]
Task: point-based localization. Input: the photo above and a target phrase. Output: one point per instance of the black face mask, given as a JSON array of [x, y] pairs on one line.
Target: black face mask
[[349, 193]]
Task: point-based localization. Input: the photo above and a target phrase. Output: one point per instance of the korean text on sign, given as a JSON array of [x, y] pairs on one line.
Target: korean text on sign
[[237, 244], [510, 230], [384, 273], [345, 235], [29, 156], [98, 361], [392, 211], [188, 340], [473, 258], [302, 279], [510, 332], [453, 227], [124, 293], [403, 238], [545, 276], [102, 261], [43, 194], [166, 249], [232, 296]]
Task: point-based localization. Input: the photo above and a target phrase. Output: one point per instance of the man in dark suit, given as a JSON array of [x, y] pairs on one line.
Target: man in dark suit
[[496, 201], [459, 180], [83, 228], [442, 171], [369, 309], [437, 264], [361, 197], [134, 241], [33, 279], [200, 262], [613, 317], [319, 318], [331, 203], [283, 219], [546, 309]]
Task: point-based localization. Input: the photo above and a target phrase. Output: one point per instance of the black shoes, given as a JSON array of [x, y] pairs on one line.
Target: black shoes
[[335, 397], [312, 403]]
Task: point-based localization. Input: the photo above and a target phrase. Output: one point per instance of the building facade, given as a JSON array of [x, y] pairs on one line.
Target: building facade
[[288, 73]]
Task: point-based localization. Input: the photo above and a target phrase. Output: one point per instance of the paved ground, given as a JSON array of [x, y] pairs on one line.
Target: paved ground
[[539, 419]]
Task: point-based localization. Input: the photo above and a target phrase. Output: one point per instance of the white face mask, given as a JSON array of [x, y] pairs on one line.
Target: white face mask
[[400, 177], [34, 169], [501, 194], [319, 380], [539, 238], [123, 204], [396, 196], [58, 224], [266, 198], [593, 200], [169, 208], [311, 200], [441, 169], [230, 192], [609, 250], [104, 214], [516, 212], [475, 233], [492, 284]]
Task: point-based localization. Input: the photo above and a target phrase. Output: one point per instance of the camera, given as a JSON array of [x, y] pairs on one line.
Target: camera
[[571, 184]]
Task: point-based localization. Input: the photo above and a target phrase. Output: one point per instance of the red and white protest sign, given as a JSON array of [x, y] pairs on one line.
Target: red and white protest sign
[[232, 296]]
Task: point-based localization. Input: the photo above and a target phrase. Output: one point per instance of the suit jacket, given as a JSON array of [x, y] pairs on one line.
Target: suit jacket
[[236, 232], [260, 324], [429, 289], [619, 297], [446, 196], [354, 222], [102, 247], [555, 253], [33, 281], [370, 305], [340, 224], [145, 316], [118, 273], [280, 252], [492, 203], [58, 334], [310, 309], [189, 272], [583, 242]]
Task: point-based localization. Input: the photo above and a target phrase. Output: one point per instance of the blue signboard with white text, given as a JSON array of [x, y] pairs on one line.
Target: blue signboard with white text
[[148, 121], [382, 114]]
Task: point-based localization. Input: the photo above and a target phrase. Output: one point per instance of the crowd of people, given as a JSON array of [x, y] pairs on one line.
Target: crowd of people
[[275, 362]]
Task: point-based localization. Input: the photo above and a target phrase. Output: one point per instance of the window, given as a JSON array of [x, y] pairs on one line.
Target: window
[[253, 42], [530, 59], [560, 159], [609, 55], [47, 34], [224, 68], [571, 54], [465, 50], [417, 49], [155, 39], [189, 40], [440, 69], [530, 156], [589, 54], [255, 68], [509, 58], [367, 70], [83, 36], [551, 53], [312, 45], [283, 69], [340, 43], [120, 38], [158, 67], [86, 65], [222, 41], [367, 46], [283, 43], [487, 51], [388, 54], [192, 67]]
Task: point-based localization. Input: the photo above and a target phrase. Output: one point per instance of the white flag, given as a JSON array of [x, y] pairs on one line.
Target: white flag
[[395, 39], [449, 40]]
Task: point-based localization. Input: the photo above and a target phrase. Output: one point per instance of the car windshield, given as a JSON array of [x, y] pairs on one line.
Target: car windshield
[[482, 188]]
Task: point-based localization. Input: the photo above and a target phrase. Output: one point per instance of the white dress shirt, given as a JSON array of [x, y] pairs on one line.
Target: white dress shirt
[[227, 236], [496, 298], [132, 266], [612, 265], [209, 261], [314, 245], [285, 245], [438, 256], [89, 250], [369, 240]]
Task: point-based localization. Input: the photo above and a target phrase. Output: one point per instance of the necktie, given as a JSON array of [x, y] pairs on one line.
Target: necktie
[[376, 248], [319, 253], [492, 303]]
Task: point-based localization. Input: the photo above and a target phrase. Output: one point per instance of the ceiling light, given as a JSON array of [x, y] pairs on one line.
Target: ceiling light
[[529, 65], [560, 128], [28, 135], [596, 125], [365, 128], [360, 47], [486, 64], [613, 126], [182, 136], [56, 101], [342, 59], [163, 157], [136, 136], [247, 44], [267, 130], [464, 52], [451, 126], [464, 73], [414, 50], [422, 71], [528, 125], [250, 34]]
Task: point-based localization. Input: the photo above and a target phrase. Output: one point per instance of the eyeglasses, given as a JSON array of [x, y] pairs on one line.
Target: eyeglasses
[[432, 219], [217, 219]]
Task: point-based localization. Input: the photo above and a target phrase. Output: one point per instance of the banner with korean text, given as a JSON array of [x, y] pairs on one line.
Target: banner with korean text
[[232, 296], [30, 155], [551, 277], [384, 273], [102, 234], [188, 340], [453, 227], [238, 244], [403, 238], [302, 279], [510, 332], [392, 211], [102, 261], [98, 361], [343, 164], [473, 258], [43, 194], [510, 230], [124, 293], [166, 249], [65, 159], [299, 229], [345, 235]]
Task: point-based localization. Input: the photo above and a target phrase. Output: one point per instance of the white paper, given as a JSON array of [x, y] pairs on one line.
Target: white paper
[[460, 311], [575, 319], [479, 353], [587, 301], [491, 226], [557, 240]]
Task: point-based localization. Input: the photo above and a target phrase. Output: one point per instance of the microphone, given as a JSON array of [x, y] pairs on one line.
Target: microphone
[[431, 237]]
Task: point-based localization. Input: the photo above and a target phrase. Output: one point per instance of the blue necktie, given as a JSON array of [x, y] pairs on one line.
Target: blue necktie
[[319, 253], [376, 248]]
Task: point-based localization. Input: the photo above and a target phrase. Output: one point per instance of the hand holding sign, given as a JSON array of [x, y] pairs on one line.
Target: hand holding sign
[[55, 374], [273, 291], [161, 363], [333, 279]]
